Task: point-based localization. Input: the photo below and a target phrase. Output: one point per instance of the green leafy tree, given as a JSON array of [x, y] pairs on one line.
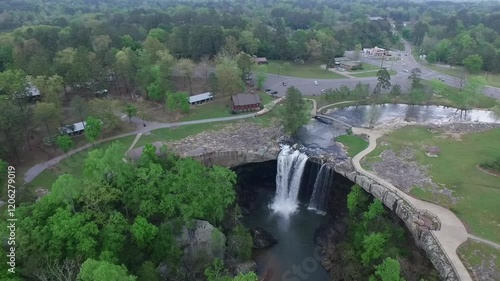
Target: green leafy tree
[[143, 231], [356, 200], [245, 64], [261, 76], [294, 113], [228, 75], [131, 111], [373, 248], [416, 78], [384, 78], [388, 270], [185, 68], [48, 115], [93, 129], [102, 109], [431, 57], [473, 63], [178, 101], [396, 90], [93, 270], [240, 243], [65, 143]]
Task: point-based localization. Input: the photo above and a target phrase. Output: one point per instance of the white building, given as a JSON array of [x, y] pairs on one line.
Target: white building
[[200, 98], [73, 130]]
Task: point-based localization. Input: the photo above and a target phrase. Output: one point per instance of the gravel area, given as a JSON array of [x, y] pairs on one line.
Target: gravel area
[[405, 173]]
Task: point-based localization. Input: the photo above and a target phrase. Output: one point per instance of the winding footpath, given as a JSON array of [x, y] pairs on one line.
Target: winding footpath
[[452, 233], [37, 169]]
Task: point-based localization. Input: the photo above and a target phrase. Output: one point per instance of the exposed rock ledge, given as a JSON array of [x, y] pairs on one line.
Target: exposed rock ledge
[[419, 223], [234, 145]]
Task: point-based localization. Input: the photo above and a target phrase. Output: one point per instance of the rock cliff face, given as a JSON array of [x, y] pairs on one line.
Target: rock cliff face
[[418, 223], [235, 145]]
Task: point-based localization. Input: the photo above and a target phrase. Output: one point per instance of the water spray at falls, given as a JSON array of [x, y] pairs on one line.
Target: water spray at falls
[[319, 198], [291, 165]]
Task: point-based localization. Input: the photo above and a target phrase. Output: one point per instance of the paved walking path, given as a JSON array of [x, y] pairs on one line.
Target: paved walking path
[[37, 169], [452, 233], [490, 243]]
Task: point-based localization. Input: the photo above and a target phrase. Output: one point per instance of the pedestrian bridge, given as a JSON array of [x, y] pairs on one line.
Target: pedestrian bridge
[[335, 120]]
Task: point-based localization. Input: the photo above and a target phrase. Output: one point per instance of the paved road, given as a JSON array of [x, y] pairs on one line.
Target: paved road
[[307, 87], [452, 233]]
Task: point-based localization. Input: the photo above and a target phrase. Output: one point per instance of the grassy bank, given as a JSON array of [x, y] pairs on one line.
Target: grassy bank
[[353, 144], [478, 193], [308, 70], [371, 73], [476, 254]]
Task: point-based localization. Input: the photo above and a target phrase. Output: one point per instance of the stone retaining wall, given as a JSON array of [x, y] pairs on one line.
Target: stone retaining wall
[[421, 224]]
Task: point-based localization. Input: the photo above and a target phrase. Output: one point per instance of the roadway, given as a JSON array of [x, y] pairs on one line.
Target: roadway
[[307, 86]]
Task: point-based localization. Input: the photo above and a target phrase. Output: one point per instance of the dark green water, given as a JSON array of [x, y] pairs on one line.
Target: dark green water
[[295, 257]]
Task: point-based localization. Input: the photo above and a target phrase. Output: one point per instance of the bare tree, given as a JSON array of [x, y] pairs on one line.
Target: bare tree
[[204, 66], [462, 79], [53, 270]]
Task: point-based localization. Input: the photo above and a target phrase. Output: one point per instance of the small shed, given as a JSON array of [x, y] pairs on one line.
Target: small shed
[[200, 98], [260, 60], [246, 102], [433, 151], [73, 130]]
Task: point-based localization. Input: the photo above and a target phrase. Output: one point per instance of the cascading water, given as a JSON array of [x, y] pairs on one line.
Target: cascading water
[[291, 165], [319, 197]]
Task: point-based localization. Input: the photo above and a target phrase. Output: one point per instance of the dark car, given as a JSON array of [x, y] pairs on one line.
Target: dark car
[[268, 90], [274, 92]]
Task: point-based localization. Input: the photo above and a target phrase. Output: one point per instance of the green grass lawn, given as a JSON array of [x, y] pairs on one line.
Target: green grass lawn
[[366, 67], [219, 107], [478, 193], [308, 70], [371, 73], [492, 79], [474, 253], [354, 144]]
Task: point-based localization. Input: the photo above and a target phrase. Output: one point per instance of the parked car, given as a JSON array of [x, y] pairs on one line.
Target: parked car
[[274, 92], [315, 82], [268, 90], [441, 79], [405, 70], [284, 83], [323, 91]]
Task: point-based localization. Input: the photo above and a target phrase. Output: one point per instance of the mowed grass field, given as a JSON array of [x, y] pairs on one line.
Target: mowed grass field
[[307, 70], [478, 193], [354, 144]]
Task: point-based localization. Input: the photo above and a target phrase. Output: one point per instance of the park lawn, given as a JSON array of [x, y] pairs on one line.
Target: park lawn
[[478, 193], [73, 164], [371, 73], [219, 107], [475, 253], [354, 144], [308, 70], [492, 79], [366, 67]]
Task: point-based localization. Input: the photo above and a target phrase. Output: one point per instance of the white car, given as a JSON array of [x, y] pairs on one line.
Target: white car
[[405, 70], [315, 82]]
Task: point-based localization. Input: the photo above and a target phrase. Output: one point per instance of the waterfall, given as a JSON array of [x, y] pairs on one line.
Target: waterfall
[[291, 165], [319, 197]]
